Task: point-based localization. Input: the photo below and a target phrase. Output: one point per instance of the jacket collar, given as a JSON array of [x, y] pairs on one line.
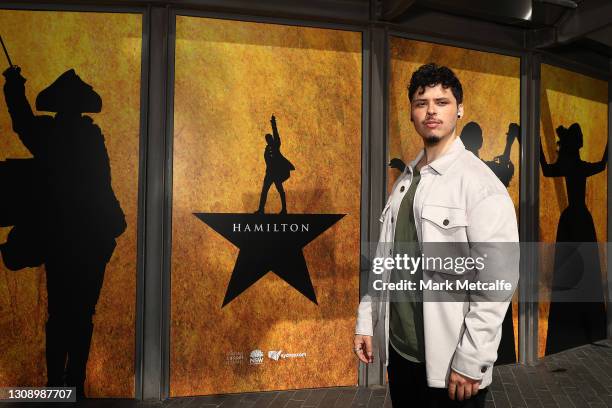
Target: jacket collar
[[442, 163]]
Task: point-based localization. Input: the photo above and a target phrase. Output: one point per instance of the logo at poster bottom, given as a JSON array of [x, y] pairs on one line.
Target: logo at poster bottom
[[269, 243], [256, 357], [278, 354]]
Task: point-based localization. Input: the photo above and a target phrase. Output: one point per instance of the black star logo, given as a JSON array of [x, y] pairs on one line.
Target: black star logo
[[269, 242]]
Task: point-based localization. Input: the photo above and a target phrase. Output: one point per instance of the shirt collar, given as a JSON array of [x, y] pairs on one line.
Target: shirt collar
[[443, 162]]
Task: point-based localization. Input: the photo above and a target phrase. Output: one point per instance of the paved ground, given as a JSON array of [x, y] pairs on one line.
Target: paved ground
[[577, 378]]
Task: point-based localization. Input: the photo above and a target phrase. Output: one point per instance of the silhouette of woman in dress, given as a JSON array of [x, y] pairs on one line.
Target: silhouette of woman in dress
[[571, 324], [278, 169]]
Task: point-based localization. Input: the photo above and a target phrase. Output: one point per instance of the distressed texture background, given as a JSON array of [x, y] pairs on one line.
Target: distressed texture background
[[105, 51], [491, 98], [230, 77], [568, 97]]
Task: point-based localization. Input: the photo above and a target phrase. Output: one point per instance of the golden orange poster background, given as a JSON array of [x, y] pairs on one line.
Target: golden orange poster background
[[105, 51], [491, 98], [568, 97], [230, 78]]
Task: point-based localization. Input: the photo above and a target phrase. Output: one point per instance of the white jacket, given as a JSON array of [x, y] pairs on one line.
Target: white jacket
[[458, 199]]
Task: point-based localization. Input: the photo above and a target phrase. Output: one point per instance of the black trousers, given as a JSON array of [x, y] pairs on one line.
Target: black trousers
[[408, 387]]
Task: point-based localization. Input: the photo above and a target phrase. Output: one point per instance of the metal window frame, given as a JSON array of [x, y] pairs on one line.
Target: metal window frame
[[378, 47], [85, 7], [142, 153], [156, 204], [529, 210]]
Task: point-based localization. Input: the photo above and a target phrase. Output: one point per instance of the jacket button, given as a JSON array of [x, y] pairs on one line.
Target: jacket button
[[483, 369], [402, 189], [445, 222]]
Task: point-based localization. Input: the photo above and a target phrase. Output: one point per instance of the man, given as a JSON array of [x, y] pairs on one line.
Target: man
[[441, 353]]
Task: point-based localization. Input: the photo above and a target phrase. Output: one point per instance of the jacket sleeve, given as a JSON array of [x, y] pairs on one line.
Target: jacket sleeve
[[365, 324], [367, 312], [493, 234]]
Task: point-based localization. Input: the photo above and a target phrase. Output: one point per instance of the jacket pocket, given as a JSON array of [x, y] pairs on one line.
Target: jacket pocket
[[443, 217], [444, 235]]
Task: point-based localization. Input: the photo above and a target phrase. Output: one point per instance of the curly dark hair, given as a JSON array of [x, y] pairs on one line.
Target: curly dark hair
[[432, 75]]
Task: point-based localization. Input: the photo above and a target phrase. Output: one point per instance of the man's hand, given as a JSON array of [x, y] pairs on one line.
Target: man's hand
[[363, 348], [463, 387]]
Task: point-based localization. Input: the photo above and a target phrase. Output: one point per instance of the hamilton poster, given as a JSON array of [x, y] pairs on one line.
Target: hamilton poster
[[573, 208], [266, 202], [69, 142]]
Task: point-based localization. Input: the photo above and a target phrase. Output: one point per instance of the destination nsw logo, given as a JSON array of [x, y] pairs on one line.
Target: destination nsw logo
[[270, 242]]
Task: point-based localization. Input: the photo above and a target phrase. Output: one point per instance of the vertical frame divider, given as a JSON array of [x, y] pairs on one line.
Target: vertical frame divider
[[529, 208], [366, 187], [144, 92], [609, 206], [155, 218], [167, 265], [377, 53]]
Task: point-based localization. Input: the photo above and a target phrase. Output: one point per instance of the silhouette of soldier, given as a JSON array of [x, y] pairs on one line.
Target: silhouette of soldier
[[278, 169], [74, 216], [571, 324]]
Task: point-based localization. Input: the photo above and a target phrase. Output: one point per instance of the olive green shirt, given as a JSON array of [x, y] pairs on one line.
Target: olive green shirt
[[406, 307]]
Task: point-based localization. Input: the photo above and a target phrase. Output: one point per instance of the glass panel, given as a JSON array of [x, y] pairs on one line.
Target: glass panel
[[69, 174], [573, 208], [258, 302]]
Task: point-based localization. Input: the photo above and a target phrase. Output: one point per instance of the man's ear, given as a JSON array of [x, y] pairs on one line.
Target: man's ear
[[460, 110]]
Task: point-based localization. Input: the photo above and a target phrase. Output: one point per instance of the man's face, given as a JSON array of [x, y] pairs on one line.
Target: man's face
[[434, 113]]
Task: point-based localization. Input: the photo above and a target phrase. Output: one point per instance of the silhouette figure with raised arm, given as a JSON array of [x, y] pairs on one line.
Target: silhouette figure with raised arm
[[502, 166], [278, 169], [576, 262], [68, 218]]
